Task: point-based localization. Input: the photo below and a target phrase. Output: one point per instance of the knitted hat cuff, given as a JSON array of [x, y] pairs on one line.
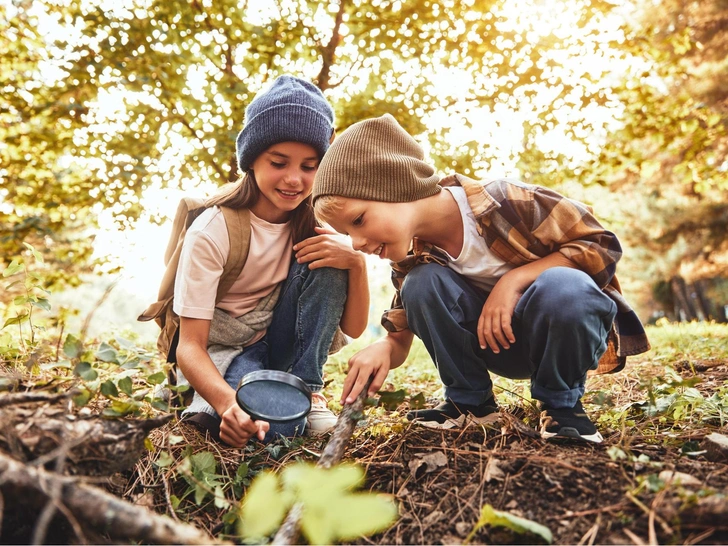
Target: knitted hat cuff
[[287, 122], [291, 110], [376, 160]]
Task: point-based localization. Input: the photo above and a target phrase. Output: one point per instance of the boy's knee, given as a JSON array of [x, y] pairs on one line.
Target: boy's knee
[[421, 282], [568, 295]]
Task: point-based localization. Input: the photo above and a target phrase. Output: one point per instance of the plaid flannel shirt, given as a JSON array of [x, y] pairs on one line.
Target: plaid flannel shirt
[[522, 223]]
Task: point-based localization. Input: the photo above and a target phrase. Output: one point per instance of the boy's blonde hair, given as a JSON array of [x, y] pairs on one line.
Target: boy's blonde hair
[[327, 206]]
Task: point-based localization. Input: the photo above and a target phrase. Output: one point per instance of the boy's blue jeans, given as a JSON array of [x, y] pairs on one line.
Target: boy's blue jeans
[[298, 339], [561, 324]]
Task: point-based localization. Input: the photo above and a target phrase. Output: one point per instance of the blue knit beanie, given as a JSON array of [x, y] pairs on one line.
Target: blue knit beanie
[[291, 110]]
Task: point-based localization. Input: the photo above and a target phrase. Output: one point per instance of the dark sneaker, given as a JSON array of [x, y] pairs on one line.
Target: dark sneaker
[[568, 423], [450, 413]]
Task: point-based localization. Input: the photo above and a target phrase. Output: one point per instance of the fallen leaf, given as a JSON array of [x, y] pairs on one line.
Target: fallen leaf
[[431, 461], [679, 478], [493, 470]]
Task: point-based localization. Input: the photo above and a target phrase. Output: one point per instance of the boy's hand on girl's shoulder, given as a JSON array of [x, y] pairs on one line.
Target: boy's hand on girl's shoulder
[[494, 325], [372, 362], [237, 428], [328, 249]]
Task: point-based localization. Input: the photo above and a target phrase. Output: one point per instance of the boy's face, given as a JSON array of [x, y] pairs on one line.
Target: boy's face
[[375, 227]]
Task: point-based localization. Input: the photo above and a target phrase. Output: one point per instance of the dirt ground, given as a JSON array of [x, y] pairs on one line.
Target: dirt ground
[[585, 494], [642, 485]]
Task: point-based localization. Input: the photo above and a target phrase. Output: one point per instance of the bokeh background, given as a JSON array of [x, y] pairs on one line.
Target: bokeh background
[[110, 110]]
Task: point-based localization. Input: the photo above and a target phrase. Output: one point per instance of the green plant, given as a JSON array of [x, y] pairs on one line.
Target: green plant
[[497, 518], [331, 511], [32, 295]]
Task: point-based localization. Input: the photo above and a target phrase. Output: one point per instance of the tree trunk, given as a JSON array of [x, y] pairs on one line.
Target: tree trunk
[[684, 310]]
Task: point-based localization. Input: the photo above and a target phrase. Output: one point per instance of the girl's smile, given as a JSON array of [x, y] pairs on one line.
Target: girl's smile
[[284, 174]]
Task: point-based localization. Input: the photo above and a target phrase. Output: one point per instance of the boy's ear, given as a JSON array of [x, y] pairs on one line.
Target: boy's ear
[[333, 136]]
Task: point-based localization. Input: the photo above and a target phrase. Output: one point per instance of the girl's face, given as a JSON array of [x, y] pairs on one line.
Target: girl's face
[[383, 229], [284, 174]]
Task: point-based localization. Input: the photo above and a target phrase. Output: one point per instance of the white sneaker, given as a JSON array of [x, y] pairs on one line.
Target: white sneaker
[[320, 419]]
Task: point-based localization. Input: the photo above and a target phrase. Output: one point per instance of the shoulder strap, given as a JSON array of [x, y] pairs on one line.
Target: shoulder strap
[[238, 226]]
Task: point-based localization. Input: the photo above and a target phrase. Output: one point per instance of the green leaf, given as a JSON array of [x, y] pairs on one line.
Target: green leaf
[[391, 399], [53, 365], [160, 404], [164, 459], [331, 511], [348, 517], [16, 320], [106, 353], [264, 507], [220, 500], [126, 385], [13, 268], [120, 408], [203, 463], [496, 518], [82, 398], [20, 300], [36, 254], [200, 493], [417, 401], [109, 389], [72, 347], [156, 378], [42, 303], [85, 371]]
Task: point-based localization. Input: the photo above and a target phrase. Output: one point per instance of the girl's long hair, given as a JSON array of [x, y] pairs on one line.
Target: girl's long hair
[[245, 193]]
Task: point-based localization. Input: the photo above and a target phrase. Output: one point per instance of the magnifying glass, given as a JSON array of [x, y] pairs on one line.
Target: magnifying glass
[[273, 396]]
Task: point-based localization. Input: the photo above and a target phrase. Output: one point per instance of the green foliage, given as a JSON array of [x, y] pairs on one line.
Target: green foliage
[[105, 101], [496, 518], [31, 295], [200, 472], [331, 512]]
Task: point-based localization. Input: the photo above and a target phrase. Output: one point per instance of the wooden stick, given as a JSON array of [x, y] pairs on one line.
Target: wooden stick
[[333, 452], [99, 510]]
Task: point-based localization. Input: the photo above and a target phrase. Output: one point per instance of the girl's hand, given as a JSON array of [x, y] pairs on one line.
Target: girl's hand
[[328, 249], [237, 427], [494, 324]]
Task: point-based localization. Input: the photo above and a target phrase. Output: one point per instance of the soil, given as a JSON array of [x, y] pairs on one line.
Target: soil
[[616, 492], [609, 493]]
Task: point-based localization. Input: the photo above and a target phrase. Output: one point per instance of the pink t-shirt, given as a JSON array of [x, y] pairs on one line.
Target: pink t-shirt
[[205, 250]]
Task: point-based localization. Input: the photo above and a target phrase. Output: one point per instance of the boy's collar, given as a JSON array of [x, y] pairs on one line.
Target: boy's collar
[[480, 201]]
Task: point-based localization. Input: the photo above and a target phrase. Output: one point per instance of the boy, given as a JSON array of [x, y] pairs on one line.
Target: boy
[[495, 276]]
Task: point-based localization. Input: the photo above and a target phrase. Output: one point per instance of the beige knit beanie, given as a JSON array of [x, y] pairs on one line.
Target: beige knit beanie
[[377, 160]]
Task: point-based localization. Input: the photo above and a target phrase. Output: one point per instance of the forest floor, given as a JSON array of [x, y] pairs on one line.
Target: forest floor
[[654, 480]]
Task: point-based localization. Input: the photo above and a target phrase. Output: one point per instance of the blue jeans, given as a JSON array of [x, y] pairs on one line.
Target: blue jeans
[[298, 339], [561, 324]]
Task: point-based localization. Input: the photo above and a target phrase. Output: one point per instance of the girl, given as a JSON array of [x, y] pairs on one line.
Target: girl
[[299, 282]]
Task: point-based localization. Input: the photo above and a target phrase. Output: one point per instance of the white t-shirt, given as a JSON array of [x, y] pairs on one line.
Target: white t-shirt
[[476, 261], [204, 253]]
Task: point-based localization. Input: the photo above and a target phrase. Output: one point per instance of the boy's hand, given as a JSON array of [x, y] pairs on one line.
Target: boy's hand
[[328, 249], [494, 324], [373, 361], [237, 427]]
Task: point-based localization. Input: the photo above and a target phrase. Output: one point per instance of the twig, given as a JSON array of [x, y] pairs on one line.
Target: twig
[[99, 303], [98, 509], [332, 454], [634, 538], [49, 510]]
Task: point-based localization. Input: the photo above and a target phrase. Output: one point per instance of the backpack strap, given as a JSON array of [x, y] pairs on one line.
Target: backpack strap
[[238, 226]]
